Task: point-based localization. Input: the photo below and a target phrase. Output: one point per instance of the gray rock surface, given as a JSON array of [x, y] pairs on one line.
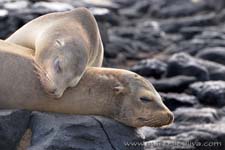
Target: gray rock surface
[[173, 84], [150, 68], [184, 64], [13, 124], [193, 115], [209, 92], [196, 137], [62, 132], [176, 100], [216, 54]]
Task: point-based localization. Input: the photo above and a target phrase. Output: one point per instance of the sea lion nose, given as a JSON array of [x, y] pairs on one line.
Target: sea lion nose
[[53, 91], [170, 117]]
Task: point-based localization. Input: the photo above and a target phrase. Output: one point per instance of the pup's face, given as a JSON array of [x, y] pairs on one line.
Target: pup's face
[[141, 105], [60, 67]]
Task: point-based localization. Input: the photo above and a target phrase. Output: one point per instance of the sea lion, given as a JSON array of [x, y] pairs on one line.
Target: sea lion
[[115, 93], [64, 44]]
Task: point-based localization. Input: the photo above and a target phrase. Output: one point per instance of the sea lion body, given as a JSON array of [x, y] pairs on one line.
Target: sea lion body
[[114, 93], [64, 44]]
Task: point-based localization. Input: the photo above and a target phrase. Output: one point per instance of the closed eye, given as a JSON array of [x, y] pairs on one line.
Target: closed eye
[[57, 66], [145, 99]]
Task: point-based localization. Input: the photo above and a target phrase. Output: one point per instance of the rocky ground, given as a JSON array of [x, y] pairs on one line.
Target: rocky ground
[[177, 44]]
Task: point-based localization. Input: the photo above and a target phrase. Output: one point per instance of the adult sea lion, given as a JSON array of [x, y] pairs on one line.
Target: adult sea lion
[[64, 44], [114, 93]]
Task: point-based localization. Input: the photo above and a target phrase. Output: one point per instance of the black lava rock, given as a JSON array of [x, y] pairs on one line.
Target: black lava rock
[[182, 8], [195, 138], [210, 92], [206, 38], [13, 124], [216, 54], [216, 71], [150, 68], [64, 132], [190, 32], [173, 84], [174, 25], [184, 64], [136, 10], [174, 100], [196, 115]]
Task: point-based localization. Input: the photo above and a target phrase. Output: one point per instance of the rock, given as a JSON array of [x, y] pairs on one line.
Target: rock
[[182, 8], [172, 130], [3, 17], [16, 5], [60, 132], [111, 51], [206, 137], [104, 15], [209, 37], [148, 133], [132, 41], [136, 10], [222, 112], [174, 25], [52, 6], [216, 54], [190, 32], [184, 64], [216, 70], [174, 100], [211, 34], [200, 137], [191, 47], [150, 68], [173, 84], [119, 139], [120, 45], [209, 92], [196, 115], [13, 124], [111, 5], [193, 136]]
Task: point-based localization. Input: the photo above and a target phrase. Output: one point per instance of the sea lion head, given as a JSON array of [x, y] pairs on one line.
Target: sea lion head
[[61, 65], [139, 104]]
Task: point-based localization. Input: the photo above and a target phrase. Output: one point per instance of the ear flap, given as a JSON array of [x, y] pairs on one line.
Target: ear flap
[[118, 89]]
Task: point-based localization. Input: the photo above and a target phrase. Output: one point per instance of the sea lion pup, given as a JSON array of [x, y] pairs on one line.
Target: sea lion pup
[[65, 43], [118, 94]]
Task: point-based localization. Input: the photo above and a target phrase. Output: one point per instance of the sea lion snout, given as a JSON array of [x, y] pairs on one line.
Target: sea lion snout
[[165, 116], [170, 117], [56, 93]]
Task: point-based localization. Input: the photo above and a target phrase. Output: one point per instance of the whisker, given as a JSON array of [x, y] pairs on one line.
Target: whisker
[[43, 77]]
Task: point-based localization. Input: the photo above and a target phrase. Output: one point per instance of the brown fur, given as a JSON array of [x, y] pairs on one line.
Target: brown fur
[[112, 93], [65, 43]]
